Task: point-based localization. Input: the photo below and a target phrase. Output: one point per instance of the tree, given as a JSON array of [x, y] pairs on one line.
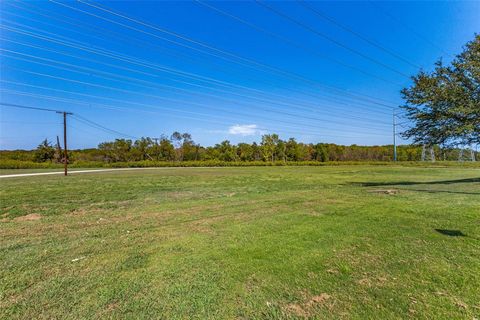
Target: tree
[[466, 69], [227, 152], [245, 152], [190, 150], [119, 150], [280, 150], [44, 152], [142, 147], [184, 146], [166, 150], [269, 143], [256, 152], [291, 149], [320, 152], [444, 105]]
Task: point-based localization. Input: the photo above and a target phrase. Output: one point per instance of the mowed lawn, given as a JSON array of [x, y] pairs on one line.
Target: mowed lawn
[[347, 242]]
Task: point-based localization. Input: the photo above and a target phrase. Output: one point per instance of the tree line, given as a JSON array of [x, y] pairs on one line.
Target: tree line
[[181, 147]]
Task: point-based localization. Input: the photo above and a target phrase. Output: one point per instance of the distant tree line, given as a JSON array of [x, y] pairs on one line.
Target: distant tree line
[[181, 147]]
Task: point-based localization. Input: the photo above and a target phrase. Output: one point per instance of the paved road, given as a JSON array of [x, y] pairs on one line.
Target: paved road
[[72, 172]]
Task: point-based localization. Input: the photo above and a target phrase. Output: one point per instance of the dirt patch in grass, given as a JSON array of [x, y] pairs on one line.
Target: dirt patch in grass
[[319, 300], [307, 307], [297, 310], [29, 217]]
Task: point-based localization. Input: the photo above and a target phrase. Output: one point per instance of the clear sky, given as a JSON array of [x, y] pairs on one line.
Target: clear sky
[[317, 71]]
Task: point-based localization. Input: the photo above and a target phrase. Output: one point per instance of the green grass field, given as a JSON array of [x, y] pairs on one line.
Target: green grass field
[[347, 242]]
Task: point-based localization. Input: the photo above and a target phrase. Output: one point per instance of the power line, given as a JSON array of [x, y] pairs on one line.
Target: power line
[[102, 127], [324, 36], [12, 105], [28, 122], [151, 84], [115, 57], [276, 70], [157, 67], [155, 46], [115, 107], [322, 15], [104, 86], [121, 37], [302, 106], [408, 27], [176, 100], [289, 41], [358, 104], [111, 34], [76, 116]]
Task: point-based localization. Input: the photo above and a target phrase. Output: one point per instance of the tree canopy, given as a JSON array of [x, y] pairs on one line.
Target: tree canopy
[[444, 105]]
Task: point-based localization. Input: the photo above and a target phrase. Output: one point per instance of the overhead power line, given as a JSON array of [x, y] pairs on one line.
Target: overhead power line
[[121, 36], [177, 53], [76, 116], [148, 84], [322, 15], [278, 128], [155, 67], [272, 69], [121, 57], [363, 101], [79, 24], [102, 127], [12, 105], [409, 28], [148, 64], [291, 42], [28, 122], [330, 39], [182, 101]]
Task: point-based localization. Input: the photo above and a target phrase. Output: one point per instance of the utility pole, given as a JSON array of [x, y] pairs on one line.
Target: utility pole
[[65, 152], [394, 136], [65, 113]]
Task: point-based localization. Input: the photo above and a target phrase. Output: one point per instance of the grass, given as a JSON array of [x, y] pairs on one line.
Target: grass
[[243, 243]]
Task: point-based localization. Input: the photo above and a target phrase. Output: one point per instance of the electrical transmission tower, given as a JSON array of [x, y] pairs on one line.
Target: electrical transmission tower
[[464, 156], [428, 155]]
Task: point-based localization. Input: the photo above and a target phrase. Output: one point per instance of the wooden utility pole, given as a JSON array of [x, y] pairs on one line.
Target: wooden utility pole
[[394, 136], [65, 151]]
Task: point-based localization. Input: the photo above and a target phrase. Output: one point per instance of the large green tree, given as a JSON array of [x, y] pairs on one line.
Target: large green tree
[[444, 105]]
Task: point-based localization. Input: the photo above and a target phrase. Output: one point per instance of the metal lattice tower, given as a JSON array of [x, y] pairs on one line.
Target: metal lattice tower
[[464, 156], [428, 156]]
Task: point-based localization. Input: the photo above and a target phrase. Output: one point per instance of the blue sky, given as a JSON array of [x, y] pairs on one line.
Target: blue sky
[[150, 68]]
